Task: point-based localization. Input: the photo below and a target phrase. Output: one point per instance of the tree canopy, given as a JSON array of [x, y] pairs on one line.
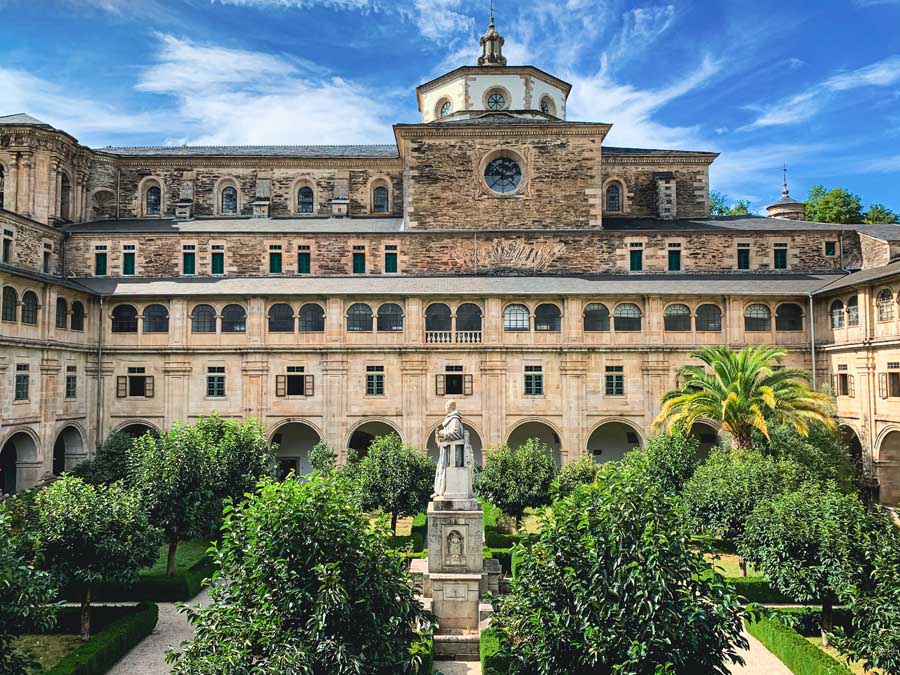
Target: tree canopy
[[837, 205], [306, 585], [612, 584], [109, 463], [514, 479], [670, 459], [879, 213], [718, 205], [743, 390], [574, 474]]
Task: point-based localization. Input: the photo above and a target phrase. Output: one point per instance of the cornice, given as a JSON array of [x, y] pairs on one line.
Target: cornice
[[410, 131], [214, 162], [648, 159]]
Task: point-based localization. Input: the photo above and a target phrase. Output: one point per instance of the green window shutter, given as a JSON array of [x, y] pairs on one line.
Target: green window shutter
[[274, 263], [99, 264], [218, 263], [390, 263], [780, 259], [189, 266], [637, 260], [303, 263], [743, 258], [359, 263], [128, 264], [674, 261]]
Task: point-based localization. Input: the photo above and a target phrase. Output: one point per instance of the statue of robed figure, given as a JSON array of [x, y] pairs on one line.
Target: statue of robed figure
[[455, 466]]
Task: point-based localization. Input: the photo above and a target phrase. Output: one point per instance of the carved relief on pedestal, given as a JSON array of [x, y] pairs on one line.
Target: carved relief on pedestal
[[456, 549]]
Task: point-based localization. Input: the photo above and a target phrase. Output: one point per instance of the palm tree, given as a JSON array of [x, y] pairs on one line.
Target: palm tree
[[745, 391]]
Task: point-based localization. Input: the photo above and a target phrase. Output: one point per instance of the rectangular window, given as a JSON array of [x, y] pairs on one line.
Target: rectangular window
[[359, 260], [374, 380], [275, 259], [615, 380], [22, 381], [304, 259], [100, 261], [128, 259], [390, 259], [534, 381], [743, 256], [218, 259], [843, 383], [136, 383], [215, 381], [71, 382], [295, 382], [48, 250], [189, 259], [453, 382], [674, 257], [831, 248], [7, 246], [894, 385], [781, 256], [636, 257]]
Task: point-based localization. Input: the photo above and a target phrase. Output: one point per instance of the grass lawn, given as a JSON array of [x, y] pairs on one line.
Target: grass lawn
[[854, 666], [189, 552], [47, 650], [727, 564]]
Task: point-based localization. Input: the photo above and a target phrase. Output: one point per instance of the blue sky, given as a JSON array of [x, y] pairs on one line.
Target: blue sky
[[816, 85]]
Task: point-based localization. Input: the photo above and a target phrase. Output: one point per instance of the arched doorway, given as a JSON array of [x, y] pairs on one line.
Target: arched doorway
[[474, 440], [854, 446], [611, 440], [294, 441], [68, 448], [542, 432], [707, 437], [365, 433], [889, 469], [19, 463]]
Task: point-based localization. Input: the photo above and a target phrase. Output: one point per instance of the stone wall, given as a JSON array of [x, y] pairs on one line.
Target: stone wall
[[637, 175], [28, 243], [159, 255]]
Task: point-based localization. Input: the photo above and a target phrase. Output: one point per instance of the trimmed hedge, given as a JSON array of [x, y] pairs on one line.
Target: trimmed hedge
[[492, 662], [109, 645], [504, 555], [799, 655], [183, 586], [758, 589]]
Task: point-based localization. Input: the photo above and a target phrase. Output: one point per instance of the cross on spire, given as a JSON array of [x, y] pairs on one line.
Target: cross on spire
[[784, 192]]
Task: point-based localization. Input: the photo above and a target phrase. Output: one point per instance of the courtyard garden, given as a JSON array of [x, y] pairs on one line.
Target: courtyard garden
[[657, 564]]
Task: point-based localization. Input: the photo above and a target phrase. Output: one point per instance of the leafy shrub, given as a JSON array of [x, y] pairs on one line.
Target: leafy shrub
[[493, 661], [515, 478], [110, 462], [671, 459], [574, 474], [322, 457], [796, 652]]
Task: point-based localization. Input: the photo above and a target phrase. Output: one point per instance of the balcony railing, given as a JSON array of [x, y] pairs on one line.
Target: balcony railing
[[446, 337]]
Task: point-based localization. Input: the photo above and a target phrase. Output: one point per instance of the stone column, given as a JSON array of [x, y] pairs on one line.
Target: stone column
[[53, 189], [26, 190], [177, 391], [493, 413], [656, 370], [50, 368], [414, 376], [255, 371], [334, 419], [12, 183], [573, 370]]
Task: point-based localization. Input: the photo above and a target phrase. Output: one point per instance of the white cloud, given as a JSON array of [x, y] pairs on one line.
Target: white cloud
[[640, 28], [807, 104]]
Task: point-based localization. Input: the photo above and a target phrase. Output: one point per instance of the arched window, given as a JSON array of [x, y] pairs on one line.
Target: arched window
[[29, 308], [65, 196], [709, 318], [627, 317], [677, 318], [596, 317], [437, 318], [837, 314], [203, 319], [613, 197], [853, 310], [234, 319], [281, 318], [757, 318], [380, 199], [885, 302], [789, 317], [229, 201], [156, 319], [77, 316], [312, 318], [124, 319], [10, 303], [548, 107], [390, 318], [62, 313], [305, 200], [547, 318], [516, 318], [359, 318], [468, 318], [153, 203]]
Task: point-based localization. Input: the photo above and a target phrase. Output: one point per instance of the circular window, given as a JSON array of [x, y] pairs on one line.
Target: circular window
[[446, 107], [496, 100], [503, 174]]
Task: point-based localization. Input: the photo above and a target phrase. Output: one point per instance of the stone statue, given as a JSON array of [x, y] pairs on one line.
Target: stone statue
[[455, 452]]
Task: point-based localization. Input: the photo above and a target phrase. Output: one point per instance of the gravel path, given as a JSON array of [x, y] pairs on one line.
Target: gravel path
[[149, 657], [760, 661], [457, 667]]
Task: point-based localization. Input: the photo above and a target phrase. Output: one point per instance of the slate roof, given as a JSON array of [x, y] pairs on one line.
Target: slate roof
[[23, 118], [721, 223], [615, 150], [242, 224], [862, 277], [291, 151], [764, 285], [883, 231]]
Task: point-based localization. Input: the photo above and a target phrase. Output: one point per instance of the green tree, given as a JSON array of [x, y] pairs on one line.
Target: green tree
[[612, 584], [740, 208], [109, 463], [305, 585], [810, 543], [722, 493], [26, 597], [822, 454], [93, 533], [833, 206], [240, 458], [875, 604], [879, 214], [744, 391], [671, 458], [574, 474], [322, 457], [514, 479], [718, 203]]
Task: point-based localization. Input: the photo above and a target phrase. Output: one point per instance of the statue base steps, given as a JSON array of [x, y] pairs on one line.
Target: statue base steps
[[457, 647]]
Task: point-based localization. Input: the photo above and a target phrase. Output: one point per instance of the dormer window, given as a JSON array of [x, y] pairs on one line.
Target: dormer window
[[547, 106], [496, 100]]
